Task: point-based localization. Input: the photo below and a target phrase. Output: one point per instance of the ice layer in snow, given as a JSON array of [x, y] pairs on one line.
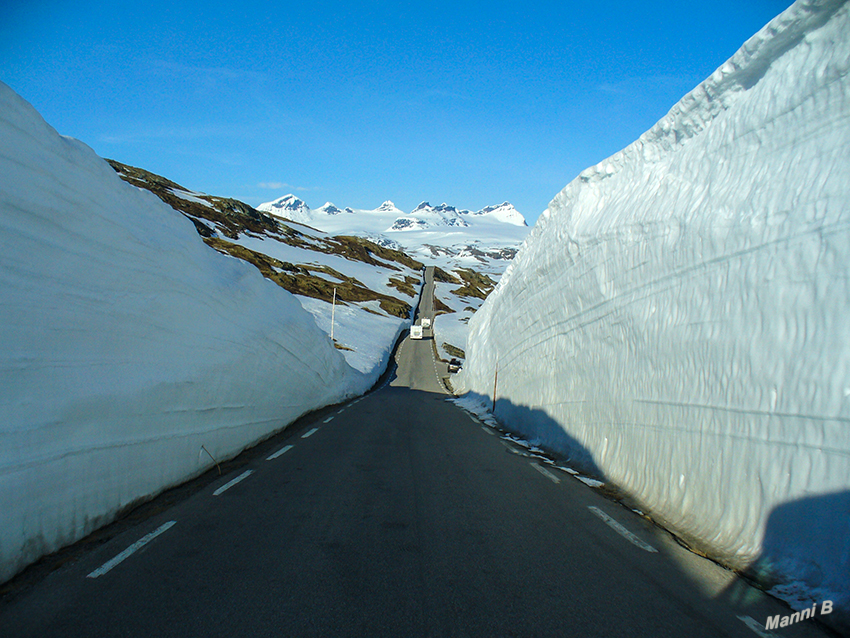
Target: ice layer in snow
[[678, 318], [127, 344]]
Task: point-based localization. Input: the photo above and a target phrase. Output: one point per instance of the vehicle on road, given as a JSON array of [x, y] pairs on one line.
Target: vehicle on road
[[454, 365], [415, 332], [426, 322]]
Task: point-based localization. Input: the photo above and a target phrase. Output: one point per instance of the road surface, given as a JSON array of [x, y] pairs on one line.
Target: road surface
[[395, 515]]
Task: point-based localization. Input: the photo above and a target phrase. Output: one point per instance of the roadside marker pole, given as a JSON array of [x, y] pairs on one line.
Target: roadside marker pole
[[495, 382], [333, 309]]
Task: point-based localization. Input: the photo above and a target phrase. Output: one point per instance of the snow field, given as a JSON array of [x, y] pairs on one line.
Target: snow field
[[453, 327], [367, 337], [127, 345], [680, 313], [441, 236], [450, 327]]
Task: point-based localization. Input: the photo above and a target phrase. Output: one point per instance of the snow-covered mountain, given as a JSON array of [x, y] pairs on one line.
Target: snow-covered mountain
[[504, 212], [387, 218], [680, 311], [388, 207], [293, 208], [327, 209], [427, 216], [467, 246]]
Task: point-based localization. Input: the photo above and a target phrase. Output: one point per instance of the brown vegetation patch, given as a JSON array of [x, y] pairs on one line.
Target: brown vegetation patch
[[454, 351], [300, 280], [360, 249], [230, 217], [475, 284], [441, 308], [446, 278], [407, 286]]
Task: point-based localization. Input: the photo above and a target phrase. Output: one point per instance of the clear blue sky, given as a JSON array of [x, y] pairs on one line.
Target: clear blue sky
[[471, 103]]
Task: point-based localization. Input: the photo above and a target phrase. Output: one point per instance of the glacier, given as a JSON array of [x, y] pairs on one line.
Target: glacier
[[677, 320], [130, 349]]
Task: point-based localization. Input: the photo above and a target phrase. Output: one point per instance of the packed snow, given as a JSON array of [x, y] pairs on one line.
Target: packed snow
[[129, 347], [678, 318]]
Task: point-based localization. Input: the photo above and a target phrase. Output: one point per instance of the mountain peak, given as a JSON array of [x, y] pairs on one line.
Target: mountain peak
[[288, 202], [387, 207], [289, 207], [329, 209], [504, 212]]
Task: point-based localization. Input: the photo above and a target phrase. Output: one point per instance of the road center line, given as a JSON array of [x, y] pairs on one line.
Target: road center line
[[311, 432], [622, 531], [282, 450], [328, 420], [100, 571], [545, 472], [230, 484]]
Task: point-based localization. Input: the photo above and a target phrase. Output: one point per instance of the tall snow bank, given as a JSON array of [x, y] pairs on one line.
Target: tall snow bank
[[680, 312], [126, 344]]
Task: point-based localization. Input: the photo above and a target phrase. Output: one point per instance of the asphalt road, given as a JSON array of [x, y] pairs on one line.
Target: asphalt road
[[416, 366], [398, 515]]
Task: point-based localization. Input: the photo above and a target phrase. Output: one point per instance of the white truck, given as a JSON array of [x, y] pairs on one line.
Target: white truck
[[415, 332], [426, 322]]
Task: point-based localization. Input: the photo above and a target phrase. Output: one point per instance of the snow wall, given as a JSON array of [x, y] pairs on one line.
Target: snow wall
[[679, 318], [127, 344]]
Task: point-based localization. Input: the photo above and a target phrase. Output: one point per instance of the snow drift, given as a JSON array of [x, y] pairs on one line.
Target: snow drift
[[680, 312], [127, 344]]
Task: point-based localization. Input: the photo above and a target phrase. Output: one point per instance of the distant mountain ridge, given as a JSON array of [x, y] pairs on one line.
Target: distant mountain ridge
[[424, 216]]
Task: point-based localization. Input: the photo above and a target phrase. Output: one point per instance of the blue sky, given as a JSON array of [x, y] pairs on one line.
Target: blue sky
[[472, 103]]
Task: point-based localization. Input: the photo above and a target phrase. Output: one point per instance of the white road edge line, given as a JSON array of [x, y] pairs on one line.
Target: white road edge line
[[545, 472], [756, 626], [282, 450], [622, 531], [311, 432], [100, 571], [230, 484], [328, 420]]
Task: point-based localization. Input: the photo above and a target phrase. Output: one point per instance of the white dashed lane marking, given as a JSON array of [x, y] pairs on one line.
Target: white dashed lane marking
[[282, 450], [120, 558], [230, 484], [545, 472], [328, 420], [309, 433], [622, 531]]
